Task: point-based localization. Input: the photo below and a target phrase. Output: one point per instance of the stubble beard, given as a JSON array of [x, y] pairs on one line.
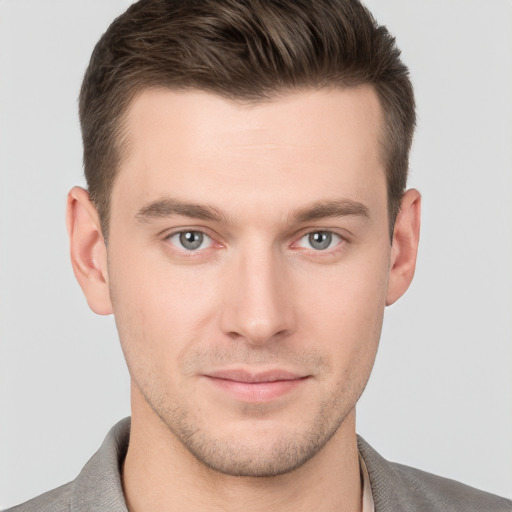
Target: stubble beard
[[269, 458], [229, 452]]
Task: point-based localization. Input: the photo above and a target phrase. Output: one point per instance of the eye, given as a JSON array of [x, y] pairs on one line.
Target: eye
[[190, 240], [320, 240]]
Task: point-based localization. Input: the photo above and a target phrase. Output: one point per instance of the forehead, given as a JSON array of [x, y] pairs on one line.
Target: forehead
[[203, 116], [299, 145]]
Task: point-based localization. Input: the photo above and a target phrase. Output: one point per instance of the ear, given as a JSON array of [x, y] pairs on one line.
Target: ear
[[88, 250], [404, 248]]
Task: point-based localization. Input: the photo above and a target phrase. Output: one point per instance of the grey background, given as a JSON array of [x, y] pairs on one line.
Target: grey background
[[440, 397]]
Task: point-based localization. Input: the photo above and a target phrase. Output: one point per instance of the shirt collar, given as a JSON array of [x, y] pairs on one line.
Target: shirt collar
[[368, 504]]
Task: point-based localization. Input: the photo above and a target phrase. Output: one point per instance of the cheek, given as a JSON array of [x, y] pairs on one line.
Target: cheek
[[345, 309], [160, 311]]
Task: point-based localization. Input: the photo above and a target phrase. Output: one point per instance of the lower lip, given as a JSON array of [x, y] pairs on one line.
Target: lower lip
[[256, 391]]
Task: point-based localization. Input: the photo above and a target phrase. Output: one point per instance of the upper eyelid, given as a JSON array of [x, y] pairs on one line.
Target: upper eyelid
[[331, 232], [343, 234], [169, 232]]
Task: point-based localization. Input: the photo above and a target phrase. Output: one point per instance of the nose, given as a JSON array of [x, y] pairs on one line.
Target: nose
[[258, 305]]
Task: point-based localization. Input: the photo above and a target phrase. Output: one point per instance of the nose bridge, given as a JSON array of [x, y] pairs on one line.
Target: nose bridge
[[258, 306]]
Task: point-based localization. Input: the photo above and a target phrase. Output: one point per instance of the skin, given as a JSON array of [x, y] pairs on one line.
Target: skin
[[258, 301]]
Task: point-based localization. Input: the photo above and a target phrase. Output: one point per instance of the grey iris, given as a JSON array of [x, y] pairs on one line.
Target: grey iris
[[191, 240], [320, 240]]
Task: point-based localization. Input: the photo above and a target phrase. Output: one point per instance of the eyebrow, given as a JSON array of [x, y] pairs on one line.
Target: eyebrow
[[334, 208], [168, 207]]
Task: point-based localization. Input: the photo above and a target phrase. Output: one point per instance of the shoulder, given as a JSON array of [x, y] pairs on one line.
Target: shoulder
[[57, 500], [97, 488], [396, 487], [445, 494]]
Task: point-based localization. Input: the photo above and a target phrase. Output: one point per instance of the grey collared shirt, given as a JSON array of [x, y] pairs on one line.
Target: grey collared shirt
[[392, 487]]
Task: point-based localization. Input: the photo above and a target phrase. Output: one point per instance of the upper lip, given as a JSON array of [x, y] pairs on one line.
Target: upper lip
[[242, 375]]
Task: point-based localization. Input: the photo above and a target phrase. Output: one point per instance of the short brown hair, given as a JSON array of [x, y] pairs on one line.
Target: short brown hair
[[246, 50]]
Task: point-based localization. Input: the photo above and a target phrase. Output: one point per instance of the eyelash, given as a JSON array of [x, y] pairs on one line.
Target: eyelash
[[333, 236]]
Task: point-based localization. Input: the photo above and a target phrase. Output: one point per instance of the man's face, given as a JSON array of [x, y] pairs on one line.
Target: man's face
[[248, 262]]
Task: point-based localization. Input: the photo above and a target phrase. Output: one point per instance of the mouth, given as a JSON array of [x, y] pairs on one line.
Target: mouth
[[255, 387]]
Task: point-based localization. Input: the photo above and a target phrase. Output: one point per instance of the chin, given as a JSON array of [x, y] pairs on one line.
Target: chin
[[256, 447], [236, 458]]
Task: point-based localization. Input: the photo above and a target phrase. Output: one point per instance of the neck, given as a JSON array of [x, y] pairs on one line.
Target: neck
[[159, 473]]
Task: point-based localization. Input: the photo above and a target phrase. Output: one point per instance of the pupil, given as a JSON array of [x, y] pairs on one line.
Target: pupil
[[191, 239], [320, 240]]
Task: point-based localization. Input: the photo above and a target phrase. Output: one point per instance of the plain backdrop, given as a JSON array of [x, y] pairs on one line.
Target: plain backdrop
[[440, 397]]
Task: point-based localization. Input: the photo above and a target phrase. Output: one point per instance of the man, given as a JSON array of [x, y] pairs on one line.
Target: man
[[246, 221]]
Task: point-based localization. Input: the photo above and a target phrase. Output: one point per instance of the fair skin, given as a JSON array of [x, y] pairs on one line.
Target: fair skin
[[248, 266]]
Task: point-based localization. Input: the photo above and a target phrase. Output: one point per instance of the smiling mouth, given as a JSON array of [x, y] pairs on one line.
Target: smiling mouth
[[255, 387]]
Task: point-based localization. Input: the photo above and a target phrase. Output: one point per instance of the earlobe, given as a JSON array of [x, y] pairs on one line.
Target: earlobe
[[88, 251], [405, 246]]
